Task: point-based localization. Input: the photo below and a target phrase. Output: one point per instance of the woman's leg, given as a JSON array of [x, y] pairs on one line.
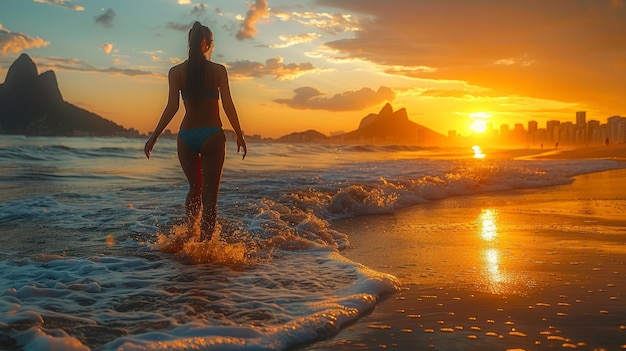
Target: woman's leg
[[192, 167], [213, 153]]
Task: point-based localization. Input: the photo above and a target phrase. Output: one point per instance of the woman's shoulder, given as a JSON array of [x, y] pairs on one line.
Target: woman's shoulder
[[177, 69], [216, 68]]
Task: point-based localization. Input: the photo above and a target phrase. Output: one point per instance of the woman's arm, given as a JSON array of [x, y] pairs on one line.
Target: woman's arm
[[230, 110], [168, 113]]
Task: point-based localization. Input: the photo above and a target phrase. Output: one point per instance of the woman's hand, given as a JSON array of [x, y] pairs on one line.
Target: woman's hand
[[148, 148], [241, 144]]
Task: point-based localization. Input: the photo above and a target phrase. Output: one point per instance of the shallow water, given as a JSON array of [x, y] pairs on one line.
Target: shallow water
[[86, 224], [532, 269]]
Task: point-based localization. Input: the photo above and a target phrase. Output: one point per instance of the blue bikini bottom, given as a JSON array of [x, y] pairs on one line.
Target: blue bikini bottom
[[196, 137]]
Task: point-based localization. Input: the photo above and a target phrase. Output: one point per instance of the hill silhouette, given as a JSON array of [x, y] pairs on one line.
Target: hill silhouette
[[385, 127], [309, 136], [393, 127], [32, 104]]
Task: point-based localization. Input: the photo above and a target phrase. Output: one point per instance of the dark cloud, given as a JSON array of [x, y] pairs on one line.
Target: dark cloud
[[567, 50], [106, 19], [272, 67], [181, 27], [256, 11], [198, 10], [309, 98]]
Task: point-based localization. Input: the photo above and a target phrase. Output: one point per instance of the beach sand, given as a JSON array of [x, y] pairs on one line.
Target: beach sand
[[537, 269]]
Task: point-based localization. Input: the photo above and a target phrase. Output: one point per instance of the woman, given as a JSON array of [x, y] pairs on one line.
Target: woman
[[201, 140]]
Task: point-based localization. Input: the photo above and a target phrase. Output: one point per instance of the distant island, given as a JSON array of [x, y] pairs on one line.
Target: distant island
[[32, 104]]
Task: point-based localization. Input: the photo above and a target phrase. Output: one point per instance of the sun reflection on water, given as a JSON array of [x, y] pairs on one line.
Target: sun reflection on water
[[491, 256], [478, 153], [487, 219], [492, 265]]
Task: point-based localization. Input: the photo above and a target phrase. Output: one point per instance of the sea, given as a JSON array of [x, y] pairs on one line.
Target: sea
[[94, 253]]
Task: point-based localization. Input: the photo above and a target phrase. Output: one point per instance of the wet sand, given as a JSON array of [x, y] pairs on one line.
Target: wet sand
[[537, 269], [611, 151]]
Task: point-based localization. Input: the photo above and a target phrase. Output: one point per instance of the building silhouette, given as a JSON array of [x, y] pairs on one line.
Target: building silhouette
[[582, 132]]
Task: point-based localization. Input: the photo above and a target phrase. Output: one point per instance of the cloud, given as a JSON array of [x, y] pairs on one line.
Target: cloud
[[198, 10], [272, 67], [15, 42], [256, 11], [291, 40], [107, 48], [440, 93], [58, 63], [184, 2], [333, 23], [181, 27], [106, 19], [63, 3], [558, 49], [309, 98]]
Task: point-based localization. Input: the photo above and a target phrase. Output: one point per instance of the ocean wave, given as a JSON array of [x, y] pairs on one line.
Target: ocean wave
[[116, 303], [97, 256]]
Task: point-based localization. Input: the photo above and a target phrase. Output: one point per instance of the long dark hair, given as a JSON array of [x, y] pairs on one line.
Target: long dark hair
[[200, 41]]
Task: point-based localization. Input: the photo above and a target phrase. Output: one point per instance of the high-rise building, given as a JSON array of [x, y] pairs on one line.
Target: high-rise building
[[532, 126], [581, 119], [551, 125]]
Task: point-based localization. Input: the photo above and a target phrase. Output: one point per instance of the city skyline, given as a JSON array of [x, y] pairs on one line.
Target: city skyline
[[578, 132]]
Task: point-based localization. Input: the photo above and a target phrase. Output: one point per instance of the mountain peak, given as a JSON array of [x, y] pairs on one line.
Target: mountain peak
[[393, 127], [32, 104], [21, 72], [386, 110]]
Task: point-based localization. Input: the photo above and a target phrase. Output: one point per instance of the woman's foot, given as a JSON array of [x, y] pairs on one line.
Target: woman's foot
[[206, 231]]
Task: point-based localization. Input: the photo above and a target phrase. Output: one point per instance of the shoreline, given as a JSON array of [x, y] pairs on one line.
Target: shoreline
[[527, 269], [611, 151]]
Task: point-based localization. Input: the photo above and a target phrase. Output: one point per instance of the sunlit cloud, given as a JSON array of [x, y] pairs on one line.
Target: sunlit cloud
[[256, 11], [309, 98], [59, 63], [523, 61], [107, 48], [333, 23], [15, 42], [119, 62], [460, 94], [106, 19], [184, 2], [63, 3], [555, 50], [408, 71], [155, 55], [291, 40], [272, 67]]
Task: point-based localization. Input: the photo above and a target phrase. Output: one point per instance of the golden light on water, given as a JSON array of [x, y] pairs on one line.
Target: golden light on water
[[478, 152], [487, 221], [489, 230], [492, 265]]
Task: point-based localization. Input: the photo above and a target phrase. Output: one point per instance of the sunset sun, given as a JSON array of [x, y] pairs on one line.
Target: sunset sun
[[479, 122]]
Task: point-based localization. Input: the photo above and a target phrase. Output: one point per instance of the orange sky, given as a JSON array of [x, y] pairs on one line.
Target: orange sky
[[325, 64]]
